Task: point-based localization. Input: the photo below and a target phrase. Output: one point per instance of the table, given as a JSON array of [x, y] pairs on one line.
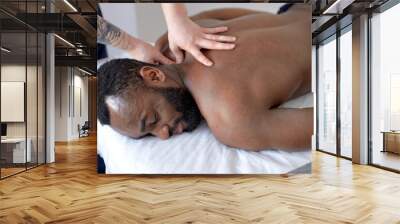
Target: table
[[391, 141]]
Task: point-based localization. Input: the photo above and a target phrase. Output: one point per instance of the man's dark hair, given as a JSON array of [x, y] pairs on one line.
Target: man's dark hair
[[114, 78]]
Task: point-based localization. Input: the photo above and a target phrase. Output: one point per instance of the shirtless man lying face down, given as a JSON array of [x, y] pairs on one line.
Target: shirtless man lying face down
[[238, 96]]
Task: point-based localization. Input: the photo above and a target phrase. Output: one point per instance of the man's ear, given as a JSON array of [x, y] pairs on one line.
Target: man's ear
[[152, 75]]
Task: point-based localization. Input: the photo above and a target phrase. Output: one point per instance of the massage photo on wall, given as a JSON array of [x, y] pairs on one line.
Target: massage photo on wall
[[204, 88]]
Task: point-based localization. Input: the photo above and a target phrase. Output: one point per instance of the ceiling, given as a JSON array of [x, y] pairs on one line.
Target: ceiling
[[332, 15], [74, 22]]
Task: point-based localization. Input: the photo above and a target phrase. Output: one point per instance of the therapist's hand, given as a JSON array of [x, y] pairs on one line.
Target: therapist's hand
[[109, 34], [145, 52], [186, 35]]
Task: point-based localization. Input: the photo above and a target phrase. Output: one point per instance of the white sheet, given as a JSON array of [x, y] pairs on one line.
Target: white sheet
[[197, 152]]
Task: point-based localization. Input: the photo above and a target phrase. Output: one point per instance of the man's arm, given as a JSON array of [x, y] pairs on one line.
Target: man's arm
[[276, 128]]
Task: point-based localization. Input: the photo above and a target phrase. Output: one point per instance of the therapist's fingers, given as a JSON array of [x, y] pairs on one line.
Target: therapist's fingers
[[177, 53], [214, 45], [215, 29], [200, 56], [163, 60], [221, 38]]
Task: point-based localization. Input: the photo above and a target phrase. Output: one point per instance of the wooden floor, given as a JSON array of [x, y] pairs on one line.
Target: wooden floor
[[70, 191], [5, 172], [10, 171], [387, 159]]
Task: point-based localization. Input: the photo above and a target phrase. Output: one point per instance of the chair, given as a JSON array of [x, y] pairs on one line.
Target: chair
[[84, 130]]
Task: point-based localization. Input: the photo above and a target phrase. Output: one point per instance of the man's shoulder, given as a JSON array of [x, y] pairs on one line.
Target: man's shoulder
[[226, 108], [228, 119]]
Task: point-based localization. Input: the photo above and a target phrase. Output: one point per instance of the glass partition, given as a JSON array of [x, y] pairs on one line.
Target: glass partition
[[13, 95], [32, 96], [41, 96], [34, 51], [22, 66]]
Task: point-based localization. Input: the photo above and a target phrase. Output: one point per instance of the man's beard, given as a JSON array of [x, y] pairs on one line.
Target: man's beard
[[183, 102]]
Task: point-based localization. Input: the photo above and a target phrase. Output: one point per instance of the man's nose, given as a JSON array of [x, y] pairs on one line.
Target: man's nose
[[163, 132]]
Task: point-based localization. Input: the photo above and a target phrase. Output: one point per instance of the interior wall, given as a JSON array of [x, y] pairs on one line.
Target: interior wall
[[92, 107], [61, 103], [360, 90], [17, 73], [41, 115], [71, 87], [50, 96]]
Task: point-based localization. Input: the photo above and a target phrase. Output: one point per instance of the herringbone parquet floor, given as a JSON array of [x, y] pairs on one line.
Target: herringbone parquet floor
[[70, 191]]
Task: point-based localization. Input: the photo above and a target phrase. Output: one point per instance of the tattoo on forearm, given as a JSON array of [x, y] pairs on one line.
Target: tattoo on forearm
[[107, 33]]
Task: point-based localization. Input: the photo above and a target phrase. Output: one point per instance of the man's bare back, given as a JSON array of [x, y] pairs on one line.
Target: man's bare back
[[270, 65]]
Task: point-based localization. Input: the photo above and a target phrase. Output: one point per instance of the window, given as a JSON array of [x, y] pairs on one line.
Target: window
[[394, 102], [385, 89], [327, 96], [346, 93]]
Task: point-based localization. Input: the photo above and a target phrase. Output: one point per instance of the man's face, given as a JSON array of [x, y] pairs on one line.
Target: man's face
[[161, 112]]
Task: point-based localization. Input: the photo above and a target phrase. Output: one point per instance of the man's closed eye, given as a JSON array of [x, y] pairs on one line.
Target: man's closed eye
[[155, 119]]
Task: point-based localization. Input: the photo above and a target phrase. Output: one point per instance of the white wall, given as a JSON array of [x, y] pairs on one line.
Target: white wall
[[33, 126], [12, 101], [61, 103], [12, 73], [69, 82], [122, 15]]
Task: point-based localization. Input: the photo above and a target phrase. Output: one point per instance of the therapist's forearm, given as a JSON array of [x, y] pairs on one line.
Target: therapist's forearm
[[173, 12], [109, 34]]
